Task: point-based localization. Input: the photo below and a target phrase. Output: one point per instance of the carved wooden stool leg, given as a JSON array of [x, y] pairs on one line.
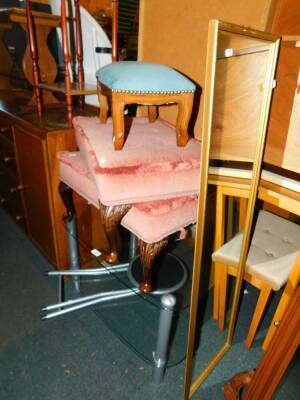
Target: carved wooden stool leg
[[233, 388], [152, 113], [148, 253], [118, 105], [185, 105], [66, 194], [111, 217], [103, 103]]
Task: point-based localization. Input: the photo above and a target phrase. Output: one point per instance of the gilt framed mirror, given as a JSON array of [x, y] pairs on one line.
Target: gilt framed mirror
[[240, 68]]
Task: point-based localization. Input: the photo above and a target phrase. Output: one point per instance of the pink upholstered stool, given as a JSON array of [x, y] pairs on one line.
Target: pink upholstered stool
[[150, 167], [151, 222]]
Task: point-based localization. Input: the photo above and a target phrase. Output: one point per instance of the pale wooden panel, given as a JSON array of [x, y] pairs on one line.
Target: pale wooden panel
[[283, 139], [291, 159], [237, 106], [175, 33]]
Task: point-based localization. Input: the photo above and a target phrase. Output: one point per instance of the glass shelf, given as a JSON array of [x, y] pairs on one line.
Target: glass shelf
[[135, 319]]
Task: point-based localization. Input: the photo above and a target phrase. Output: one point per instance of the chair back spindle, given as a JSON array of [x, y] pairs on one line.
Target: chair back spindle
[[114, 33], [73, 60], [34, 56], [79, 46]]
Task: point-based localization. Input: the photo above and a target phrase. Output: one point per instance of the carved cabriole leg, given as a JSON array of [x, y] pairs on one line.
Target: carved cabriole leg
[[111, 217], [185, 106], [66, 194], [152, 113], [117, 109], [233, 388], [148, 253]]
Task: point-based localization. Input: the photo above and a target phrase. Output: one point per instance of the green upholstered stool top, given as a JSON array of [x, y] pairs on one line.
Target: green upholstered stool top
[[142, 77]]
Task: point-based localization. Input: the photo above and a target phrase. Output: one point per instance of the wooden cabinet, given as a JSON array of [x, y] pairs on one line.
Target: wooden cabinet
[[29, 178], [10, 186], [32, 162]]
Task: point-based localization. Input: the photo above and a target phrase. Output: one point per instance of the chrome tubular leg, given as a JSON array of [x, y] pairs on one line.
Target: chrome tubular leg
[[132, 247], [60, 288], [73, 250], [168, 302]]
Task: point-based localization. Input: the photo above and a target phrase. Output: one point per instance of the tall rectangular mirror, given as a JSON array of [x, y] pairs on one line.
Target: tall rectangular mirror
[[240, 70]]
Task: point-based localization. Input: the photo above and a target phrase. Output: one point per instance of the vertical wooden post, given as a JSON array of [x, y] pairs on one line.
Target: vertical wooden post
[[66, 56], [79, 50], [114, 35], [34, 56]]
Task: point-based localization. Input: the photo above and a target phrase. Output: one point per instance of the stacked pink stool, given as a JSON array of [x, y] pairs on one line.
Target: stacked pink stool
[[149, 187]]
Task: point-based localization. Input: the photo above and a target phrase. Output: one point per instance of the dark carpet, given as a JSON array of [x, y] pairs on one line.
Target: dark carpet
[[78, 357]]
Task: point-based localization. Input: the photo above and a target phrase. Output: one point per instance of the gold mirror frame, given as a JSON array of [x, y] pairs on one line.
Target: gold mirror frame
[[215, 27]]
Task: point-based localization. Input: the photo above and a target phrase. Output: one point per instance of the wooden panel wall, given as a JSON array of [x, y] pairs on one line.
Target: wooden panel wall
[[237, 106], [287, 18], [175, 33], [283, 140]]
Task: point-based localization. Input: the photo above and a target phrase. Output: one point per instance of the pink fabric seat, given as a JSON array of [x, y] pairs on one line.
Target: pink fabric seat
[[149, 167], [73, 172], [149, 221], [152, 222]]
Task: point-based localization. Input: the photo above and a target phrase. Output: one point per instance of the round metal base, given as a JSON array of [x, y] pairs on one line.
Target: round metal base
[[169, 273]]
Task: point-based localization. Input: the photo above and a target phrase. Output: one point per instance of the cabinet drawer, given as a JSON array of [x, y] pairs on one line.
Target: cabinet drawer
[[10, 199], [6, 133], [7, 155]]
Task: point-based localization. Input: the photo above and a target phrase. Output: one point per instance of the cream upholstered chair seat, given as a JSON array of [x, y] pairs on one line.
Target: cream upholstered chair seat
[[272, 254]]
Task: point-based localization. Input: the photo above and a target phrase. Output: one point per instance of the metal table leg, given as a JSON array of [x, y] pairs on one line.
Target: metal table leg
[[168, 302]]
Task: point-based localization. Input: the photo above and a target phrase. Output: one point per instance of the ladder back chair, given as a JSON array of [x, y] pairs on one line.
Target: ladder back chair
[[272, 255], [70, 87]]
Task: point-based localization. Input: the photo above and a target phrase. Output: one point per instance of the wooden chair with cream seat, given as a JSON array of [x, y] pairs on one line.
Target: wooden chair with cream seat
[[70, 87], [274, 189], [143, 83], [272, 255]]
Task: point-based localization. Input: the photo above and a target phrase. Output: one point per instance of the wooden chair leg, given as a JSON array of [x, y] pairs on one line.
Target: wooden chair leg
[[185, 106], [288, 292], [242, 212], [148, 253], [111, 217], [258, 313], [216, 292], [103, 103], [118, 105], [152, 113], [223, 277], [219, 240]]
